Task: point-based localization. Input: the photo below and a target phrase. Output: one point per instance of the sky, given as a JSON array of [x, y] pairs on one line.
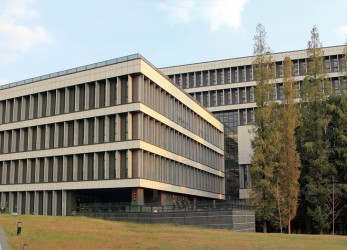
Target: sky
[[39, 37]]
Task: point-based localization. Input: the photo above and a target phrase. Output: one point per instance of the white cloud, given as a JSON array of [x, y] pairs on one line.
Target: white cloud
[[217, 13], [179, 11], [17, 35], [341, 32], [6, 59]]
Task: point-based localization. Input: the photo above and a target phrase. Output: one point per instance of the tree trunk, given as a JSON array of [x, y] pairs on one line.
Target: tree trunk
[[289, 227], [264, 226]]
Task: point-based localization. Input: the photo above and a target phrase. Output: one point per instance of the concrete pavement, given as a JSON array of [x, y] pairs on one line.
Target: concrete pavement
[[3, 240]]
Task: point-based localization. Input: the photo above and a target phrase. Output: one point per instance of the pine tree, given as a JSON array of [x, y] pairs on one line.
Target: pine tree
[[289, 160], [312, 139], [263, 163]]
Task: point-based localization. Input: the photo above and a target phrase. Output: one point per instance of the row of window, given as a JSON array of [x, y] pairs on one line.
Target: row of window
[[222, 97], [103, 129], [168, 171], [163, 136], [234, 118], [160, 101], [27, 202], [106, 166], [215, 98], [103, 93], [64, 100], [244, 73]]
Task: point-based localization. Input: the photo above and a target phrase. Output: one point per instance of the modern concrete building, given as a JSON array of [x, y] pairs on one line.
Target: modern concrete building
[[114, 131], [226, 88]]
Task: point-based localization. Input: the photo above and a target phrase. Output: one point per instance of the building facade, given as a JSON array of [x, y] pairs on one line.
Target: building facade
[[115, 131], [226, 88]]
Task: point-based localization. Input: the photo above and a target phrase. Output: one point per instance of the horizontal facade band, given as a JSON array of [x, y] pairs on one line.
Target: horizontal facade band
[[103, 184], [113, 146], [131, 107]]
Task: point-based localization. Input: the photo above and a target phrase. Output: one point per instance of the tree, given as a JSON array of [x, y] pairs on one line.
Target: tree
[[337, 134], [312, 138], [264, 159], [289, 161]]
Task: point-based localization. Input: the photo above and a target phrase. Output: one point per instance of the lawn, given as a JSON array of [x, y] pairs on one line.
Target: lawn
[[49, 232]]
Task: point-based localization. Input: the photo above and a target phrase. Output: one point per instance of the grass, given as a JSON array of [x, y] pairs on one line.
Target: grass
[[49, 232]]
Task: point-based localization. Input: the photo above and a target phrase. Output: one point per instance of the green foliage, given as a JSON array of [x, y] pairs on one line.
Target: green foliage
[[312, 138], [264, 144]]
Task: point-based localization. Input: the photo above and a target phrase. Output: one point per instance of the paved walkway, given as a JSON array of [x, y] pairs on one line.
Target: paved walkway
[[3, 240]]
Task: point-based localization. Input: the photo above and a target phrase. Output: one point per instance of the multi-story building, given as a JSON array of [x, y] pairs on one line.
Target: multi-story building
[[226, 88], [114, 131]]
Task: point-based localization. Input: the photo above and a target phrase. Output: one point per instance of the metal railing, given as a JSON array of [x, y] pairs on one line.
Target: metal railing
[[160, 208]]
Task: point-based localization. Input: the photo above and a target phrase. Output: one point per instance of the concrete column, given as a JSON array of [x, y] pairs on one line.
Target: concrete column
[[107, 129], [75, 136], [38, 137], [130, 164], [57, 102], [36, 202], [96, 167], [63, 202], [39, 108], [137, 196], [54, 203], [119, 91], [130, 126], [20, 171], [107, 165], [86, 131], [23, 107], [31, 107], [6, 139], [48, 104], [21, 139], [19, 203], [55, 169], [3, 199], [45, 203], [85, 167], [8, 110], [30, 138], [14, 141], [86, 97], [37, 171], [77, 98], [117, 127], [4, 173], [96, 130], [66, 129], [11, 202], [45, 175], [130, 89], [64, 168], [56, 135], [11, 172], [27, 202], [97, 94], [67, 100], [75, 168], [15, 109], [108, 94], [28, 176], [47, 136], [117, 164]]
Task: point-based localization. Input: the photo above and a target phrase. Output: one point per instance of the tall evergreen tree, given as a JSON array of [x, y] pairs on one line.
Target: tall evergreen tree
[[263, 188], [312, 139], [289, 161]]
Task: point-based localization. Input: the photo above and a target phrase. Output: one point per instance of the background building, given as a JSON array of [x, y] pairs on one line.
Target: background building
[[226, 88], [114, 131]]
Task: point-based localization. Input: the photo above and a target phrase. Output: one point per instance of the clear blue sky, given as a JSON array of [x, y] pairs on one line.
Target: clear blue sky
[[43, 36]]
